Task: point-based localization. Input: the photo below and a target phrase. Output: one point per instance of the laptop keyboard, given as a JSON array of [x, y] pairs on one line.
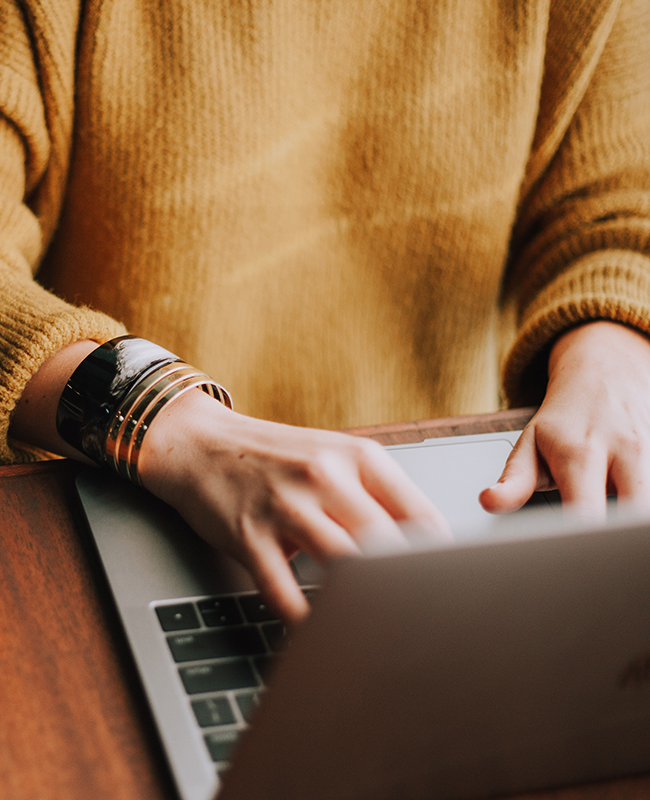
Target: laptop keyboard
[[223, 648]]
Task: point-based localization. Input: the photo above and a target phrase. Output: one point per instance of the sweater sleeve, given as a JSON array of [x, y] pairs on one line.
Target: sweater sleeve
[[581, 249], [36, 92]]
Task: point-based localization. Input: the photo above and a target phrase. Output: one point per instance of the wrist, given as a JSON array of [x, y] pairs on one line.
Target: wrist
[[177, 435], [593, 340], [34, 418]]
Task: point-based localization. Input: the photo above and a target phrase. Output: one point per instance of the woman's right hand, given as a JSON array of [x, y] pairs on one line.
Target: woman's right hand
[[262, 490]]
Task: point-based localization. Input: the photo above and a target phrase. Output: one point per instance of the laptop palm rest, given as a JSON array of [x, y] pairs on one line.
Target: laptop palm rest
[[148, 551]]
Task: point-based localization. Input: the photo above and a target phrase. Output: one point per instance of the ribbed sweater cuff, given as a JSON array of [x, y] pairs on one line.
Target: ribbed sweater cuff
[[33, 326], [612, 285]]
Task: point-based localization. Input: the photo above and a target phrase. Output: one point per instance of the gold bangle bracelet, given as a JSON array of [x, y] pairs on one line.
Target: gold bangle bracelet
[[137, 410], [127, 416], [173, 393], [137, 391], [150, 404]]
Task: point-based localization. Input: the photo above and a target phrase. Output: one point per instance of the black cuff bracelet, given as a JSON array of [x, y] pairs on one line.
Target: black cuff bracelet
[[97, 386]]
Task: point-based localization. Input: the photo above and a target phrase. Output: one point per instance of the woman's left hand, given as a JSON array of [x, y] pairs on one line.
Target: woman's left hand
[[590, 437]]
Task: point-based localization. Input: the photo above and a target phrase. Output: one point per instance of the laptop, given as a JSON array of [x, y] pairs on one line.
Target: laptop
[[517, 658]]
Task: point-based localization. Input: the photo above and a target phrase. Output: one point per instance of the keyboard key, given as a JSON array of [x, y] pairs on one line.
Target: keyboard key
[[247, 704], [220, 745], [244, 640], [255, 609], [213, 711], [218, 677], [180, 617], [275, 634], [219, 611]]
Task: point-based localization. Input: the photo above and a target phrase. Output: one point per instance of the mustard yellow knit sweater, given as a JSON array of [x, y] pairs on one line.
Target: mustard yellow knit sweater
[[346, 211]]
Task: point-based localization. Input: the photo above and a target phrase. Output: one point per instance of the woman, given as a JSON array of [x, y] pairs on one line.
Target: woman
[[347, 214]]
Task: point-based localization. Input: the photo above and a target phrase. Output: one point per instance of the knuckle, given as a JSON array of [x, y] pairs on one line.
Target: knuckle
[[327, 465], [631, 446], [579, 451], [321, 469], [367, 449]]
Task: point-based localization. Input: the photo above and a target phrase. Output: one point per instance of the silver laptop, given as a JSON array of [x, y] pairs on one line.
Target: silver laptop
[[518, 658]]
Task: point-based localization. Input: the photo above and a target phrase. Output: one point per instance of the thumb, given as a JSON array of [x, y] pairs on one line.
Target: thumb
[[519, 479]]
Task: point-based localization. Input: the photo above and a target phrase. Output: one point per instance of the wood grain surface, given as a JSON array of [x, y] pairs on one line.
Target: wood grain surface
[[73, 721]]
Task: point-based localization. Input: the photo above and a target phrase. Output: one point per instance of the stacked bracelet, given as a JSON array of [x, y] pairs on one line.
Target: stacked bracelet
[[115, 393]]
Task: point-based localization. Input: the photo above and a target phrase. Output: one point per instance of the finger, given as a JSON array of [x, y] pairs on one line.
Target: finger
[[630, 479], [581, 477], [274, 577], [521, 476], [391, 487], [314, 531], [367, 522]]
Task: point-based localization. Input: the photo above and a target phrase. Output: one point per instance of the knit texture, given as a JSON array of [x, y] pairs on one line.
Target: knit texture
[[346, 212]]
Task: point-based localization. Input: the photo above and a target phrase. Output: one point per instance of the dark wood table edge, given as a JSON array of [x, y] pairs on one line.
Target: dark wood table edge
[[407, 432]]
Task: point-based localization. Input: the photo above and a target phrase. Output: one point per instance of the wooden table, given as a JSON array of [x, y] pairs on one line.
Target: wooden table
[[73, 720]]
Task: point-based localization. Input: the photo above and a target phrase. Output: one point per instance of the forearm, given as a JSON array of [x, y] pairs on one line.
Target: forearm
[[34, 420]]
